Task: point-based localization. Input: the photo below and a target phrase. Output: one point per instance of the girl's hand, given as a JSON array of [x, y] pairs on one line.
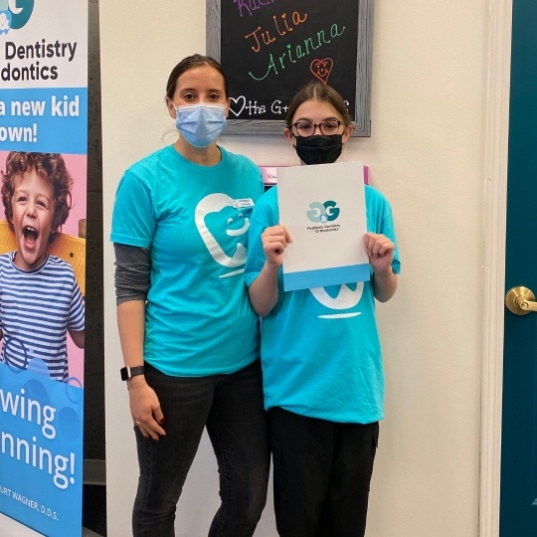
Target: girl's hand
[[274, 240], [380, 250], [145, 410]]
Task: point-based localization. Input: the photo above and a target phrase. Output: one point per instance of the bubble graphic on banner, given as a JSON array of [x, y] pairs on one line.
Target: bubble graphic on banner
[[39, 367], [69, 423], [14, 354], [73, 390], [21, 12], [35, 390], [5, 22]]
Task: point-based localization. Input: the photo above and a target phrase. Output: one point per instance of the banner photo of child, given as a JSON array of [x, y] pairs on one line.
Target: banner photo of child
[[42, 264]]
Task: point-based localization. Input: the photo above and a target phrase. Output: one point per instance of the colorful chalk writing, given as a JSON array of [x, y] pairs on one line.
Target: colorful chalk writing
[[272, 47], [321, 69], [248, 7], [293, 54], [267, 37], [269, 48]]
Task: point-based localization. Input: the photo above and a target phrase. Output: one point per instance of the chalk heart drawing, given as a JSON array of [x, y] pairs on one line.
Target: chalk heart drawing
[[322, 69], [237, 105]]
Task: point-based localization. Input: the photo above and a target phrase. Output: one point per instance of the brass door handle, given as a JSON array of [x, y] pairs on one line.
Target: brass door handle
[[520, 300]]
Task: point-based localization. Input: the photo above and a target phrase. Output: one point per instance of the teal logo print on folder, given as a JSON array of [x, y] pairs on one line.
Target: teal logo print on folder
[[322, 212]]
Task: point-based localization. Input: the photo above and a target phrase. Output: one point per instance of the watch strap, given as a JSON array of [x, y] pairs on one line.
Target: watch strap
[[129, 372]]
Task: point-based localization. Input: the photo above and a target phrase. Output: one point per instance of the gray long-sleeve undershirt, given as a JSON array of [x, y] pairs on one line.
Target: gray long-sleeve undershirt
[[132, 275]]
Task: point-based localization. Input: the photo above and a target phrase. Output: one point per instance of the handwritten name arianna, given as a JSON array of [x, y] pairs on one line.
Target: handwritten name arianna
[[294, 53]]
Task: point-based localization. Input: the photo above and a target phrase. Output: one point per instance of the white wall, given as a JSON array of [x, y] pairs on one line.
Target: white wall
[[426, 154]]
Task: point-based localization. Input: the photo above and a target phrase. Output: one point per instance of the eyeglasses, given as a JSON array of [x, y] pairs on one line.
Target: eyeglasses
[[305, 129]]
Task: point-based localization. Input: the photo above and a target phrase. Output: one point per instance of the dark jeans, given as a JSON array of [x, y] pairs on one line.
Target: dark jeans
[[322, 473], [231, 407]]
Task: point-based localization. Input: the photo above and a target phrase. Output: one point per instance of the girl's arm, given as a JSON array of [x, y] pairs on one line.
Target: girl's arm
[[380, 250], [263, 291]]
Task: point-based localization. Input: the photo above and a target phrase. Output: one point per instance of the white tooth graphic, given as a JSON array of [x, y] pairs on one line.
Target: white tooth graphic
[[345, 299], [213, 204], [241, 231]]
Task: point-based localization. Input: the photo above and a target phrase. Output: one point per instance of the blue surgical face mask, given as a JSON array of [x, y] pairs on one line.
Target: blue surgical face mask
[[200, 124]]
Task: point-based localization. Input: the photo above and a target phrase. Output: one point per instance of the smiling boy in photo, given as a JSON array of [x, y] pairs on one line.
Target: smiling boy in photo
[[40, 300]]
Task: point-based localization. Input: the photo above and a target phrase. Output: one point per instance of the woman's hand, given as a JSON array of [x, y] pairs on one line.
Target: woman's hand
[[145, 410]]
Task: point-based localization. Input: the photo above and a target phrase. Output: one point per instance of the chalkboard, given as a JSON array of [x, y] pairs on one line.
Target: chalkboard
[[270, 48]]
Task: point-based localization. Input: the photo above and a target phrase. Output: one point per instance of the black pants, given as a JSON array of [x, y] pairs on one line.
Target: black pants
[[322, 473], [231, 408]]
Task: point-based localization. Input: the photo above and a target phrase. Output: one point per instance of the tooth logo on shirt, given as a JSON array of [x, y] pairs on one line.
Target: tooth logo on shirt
[[223, 229], [344, 300]]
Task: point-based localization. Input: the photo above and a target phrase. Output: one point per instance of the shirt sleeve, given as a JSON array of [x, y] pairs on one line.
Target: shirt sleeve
[[133, 217], [132, 275], [262, 217], [77, 312], [380, 220], [388, 229]]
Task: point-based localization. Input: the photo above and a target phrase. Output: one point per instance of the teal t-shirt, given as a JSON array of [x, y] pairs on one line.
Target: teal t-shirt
[[320, 347], [195, 220]]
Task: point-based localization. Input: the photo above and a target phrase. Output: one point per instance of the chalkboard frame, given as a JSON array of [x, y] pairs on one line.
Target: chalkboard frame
[[362, 119]]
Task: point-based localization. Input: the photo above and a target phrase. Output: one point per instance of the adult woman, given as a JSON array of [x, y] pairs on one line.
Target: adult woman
[[321, 357], [188, 334]]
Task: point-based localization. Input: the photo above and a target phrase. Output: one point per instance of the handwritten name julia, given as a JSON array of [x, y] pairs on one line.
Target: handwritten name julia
[[281, 25]]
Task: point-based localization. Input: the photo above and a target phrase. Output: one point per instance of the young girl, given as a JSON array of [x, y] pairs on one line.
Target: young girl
[[188, 333], [321, 356]]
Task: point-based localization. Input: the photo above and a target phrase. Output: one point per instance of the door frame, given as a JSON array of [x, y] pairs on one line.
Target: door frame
[[495, 207]]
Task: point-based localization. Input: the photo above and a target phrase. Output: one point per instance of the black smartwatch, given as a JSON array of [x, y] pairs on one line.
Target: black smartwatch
[[129, 372]]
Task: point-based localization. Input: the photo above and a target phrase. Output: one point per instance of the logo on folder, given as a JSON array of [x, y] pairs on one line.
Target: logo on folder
[[323, 212], [323, 215]]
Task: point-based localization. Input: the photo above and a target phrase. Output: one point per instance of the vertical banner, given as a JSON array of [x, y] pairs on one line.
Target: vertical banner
[[43, 172]]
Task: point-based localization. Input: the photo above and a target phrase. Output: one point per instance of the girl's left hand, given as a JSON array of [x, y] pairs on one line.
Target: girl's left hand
[[380, 250]]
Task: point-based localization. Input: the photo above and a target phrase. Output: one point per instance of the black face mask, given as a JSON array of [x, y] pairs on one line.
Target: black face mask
[[319, 149]]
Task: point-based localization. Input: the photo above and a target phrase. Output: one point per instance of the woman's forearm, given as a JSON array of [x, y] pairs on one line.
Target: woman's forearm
[[131, 327]]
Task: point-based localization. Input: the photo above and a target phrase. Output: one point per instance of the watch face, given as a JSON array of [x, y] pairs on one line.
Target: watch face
[[129, 372]]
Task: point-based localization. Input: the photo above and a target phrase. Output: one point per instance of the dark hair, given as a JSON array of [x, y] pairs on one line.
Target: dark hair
[[50, 167], [318, 92], [190, 62]]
